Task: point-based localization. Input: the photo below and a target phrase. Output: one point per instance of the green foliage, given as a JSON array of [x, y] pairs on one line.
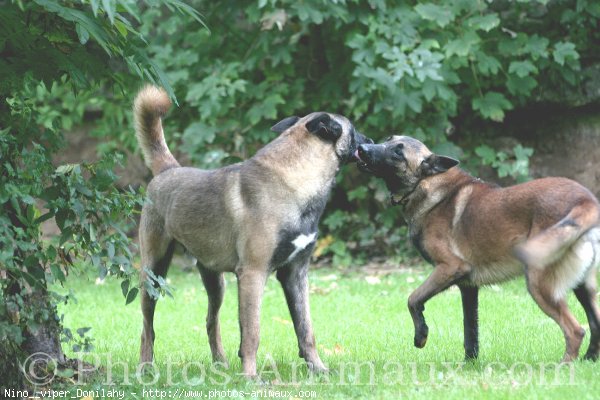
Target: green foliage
[[79, 342], [82, 198], [52, 52], [514, 164], [492, 105]]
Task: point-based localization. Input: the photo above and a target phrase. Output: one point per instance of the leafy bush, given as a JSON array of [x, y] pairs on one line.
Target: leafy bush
[[74, 45]]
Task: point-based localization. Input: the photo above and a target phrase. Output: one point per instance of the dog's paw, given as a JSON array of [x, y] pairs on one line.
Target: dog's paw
[[420, 342], [221, 363], [421, 337], [591, 356], [317, 367]]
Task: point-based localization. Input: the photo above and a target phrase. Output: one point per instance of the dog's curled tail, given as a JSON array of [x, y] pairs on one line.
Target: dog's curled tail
[[150, 105]]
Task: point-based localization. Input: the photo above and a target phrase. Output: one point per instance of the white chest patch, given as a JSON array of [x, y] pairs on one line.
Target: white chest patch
[[300, 243]]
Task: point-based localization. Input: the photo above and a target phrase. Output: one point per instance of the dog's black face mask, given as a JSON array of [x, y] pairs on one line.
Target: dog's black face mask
[[401, 162], [332, 128]]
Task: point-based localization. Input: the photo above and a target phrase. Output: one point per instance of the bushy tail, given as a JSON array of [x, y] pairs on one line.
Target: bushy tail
[[150, 105], [550, 244]]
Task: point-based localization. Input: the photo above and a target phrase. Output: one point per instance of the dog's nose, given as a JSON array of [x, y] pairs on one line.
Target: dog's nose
[[361, 150]]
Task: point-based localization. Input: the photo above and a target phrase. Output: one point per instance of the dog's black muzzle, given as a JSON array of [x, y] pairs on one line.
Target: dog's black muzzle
[[370, 157]]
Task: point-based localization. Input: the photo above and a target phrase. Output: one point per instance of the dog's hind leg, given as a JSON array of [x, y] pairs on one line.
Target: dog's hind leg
[[156, 252], [215, 289], [586, 293], [294, 281], [539, 284], [469, 295]]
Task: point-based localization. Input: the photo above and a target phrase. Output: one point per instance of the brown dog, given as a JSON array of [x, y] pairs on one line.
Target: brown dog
[[250, 218], [478, 234]]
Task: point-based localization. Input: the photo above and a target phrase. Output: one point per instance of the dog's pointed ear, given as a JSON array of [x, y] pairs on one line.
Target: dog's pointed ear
[[435, 164], [324, 126], [284, 124]]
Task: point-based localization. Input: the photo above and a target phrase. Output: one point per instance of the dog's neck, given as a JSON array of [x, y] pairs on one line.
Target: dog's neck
[[428, 193], [308, 168]]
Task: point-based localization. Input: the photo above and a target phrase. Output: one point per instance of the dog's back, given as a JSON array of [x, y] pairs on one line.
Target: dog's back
[[544, 223]]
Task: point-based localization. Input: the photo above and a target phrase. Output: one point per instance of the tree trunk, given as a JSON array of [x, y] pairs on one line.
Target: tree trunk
[[11, 376]]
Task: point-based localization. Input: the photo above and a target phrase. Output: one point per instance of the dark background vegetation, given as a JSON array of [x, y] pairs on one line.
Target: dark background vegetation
[[484, 82]]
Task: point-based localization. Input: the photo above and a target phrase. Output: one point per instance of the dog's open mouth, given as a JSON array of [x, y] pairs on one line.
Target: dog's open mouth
[[362, 165]]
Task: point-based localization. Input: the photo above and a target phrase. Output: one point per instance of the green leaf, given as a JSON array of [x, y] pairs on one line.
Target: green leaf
[[186, 9], [125, 287], [110, 8], [57, 272], [110, 250], [335, 220], [92, 233], [442, 16], [487, 65], [426, 64], [82, 34], [267, 109], [51, 253], [463, 45], [521, 86], [564, 51], [522, 153], [448, 149], [81, 188], [492, 105], [358, 193], [486, 153], [307, 12], [82, 331], [429, 89], [95, 6], [122, 28], [131, 295], [197, 135], [537, 46], [413, 100], [522, 68], [65, 169], [485, 22]]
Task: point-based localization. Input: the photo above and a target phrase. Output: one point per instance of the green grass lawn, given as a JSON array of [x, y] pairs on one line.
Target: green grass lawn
[[364, 334]]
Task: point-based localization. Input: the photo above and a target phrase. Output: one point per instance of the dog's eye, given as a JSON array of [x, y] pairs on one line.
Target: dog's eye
[[399, 150]]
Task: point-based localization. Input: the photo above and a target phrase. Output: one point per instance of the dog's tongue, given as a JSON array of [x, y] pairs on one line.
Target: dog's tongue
[[356, 156]]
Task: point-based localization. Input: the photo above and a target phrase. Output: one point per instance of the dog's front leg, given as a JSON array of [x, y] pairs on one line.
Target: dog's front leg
[[469, 295], [442, 277], [251, 284], [294, 280]]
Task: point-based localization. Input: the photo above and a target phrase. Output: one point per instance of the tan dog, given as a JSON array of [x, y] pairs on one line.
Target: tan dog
[[478, 234], [251, 218]]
